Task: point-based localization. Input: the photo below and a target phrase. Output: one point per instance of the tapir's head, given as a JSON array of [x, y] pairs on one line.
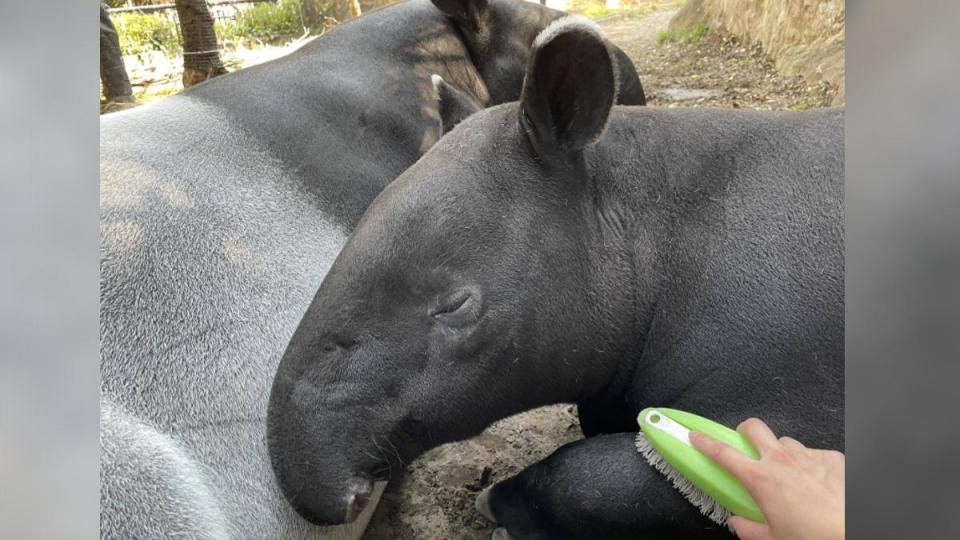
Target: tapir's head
[[469, 291], [499, 35]]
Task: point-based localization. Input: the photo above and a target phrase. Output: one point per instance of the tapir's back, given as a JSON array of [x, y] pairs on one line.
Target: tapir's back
[[352, 109], [210, 252]]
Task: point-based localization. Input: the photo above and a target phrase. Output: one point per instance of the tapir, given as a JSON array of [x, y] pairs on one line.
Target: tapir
[[221, 209], [560, 249]]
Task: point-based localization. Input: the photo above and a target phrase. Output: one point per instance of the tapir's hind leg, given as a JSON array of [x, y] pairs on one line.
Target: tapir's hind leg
[[599, 487]]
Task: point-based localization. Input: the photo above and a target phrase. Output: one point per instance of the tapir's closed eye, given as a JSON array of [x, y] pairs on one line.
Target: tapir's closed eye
[[461, 307], [452, 303], [338, 341]]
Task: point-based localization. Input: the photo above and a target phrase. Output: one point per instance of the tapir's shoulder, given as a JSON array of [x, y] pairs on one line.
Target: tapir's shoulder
[[722, 129]]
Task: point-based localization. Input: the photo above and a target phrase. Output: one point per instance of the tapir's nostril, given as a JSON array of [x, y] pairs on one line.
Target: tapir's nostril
[[356, 503]]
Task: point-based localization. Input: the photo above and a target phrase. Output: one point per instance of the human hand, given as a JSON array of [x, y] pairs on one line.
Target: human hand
[[800, 490]]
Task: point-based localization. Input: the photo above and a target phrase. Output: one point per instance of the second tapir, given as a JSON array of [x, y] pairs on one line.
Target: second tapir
[[561, 249]]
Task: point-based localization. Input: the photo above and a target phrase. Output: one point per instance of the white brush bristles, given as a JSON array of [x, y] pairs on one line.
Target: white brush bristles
[[705, 503]]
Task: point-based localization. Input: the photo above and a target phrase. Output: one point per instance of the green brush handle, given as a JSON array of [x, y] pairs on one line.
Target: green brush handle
[[667, 431]]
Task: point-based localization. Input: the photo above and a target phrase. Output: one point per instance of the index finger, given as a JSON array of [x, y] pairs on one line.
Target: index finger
[[728, 457]]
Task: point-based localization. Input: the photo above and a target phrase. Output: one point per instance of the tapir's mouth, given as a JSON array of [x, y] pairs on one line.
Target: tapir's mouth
[[323, 510], [314, 517]]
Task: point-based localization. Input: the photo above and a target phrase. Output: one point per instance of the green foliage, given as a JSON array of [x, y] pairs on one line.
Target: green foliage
[[691, 34], [597, 9], [140, 32], [227, 30], [806, 102], [266, 21]]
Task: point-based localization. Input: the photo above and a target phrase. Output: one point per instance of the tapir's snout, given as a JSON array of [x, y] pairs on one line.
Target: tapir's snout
[[318, 483], [322, 507], [323, 481]]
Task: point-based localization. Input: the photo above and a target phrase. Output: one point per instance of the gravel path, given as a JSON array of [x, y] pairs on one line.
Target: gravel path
[[715, 71], [636, 35]]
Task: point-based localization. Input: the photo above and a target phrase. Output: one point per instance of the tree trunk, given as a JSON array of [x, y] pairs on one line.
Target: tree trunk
[[201, 55], [113, 74], [313, 13], [345, 9]]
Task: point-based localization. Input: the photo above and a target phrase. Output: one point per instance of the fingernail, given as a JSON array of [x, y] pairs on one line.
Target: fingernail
[[697, 438]]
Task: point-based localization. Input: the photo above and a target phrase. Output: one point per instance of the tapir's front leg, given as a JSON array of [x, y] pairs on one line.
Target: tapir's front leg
[[599, 487]]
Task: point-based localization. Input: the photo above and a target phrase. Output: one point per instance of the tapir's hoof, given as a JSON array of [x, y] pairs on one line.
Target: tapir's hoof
[[483, 508], [500, 534]]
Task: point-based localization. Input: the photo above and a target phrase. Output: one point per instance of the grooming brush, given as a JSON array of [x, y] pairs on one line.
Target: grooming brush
[[664, 441]]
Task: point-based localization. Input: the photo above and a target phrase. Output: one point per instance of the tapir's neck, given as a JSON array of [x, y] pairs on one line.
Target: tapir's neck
[[645, 182], [416, 40], [442, 50]]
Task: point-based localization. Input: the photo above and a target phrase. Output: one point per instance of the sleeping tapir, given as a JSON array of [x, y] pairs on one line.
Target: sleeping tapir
[[221, 209], [561, 249]]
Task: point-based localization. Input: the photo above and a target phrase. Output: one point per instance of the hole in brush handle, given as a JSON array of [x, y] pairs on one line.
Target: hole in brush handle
[[662, 422]]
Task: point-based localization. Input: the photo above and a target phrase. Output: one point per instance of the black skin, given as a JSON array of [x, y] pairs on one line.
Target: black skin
[[363, 89], [596, 488], [455, 105], [559, 250]]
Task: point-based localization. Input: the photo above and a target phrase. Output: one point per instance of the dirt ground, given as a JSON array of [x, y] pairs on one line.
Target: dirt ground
[[716, 71], [435, 500]]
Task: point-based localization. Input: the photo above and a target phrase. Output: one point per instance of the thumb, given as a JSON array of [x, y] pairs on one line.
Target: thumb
[[749, 530]]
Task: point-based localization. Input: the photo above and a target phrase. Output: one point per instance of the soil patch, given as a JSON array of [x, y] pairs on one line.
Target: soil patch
[[718, 70]]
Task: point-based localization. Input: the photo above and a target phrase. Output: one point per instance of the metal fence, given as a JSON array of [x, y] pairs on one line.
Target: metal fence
[[220, 10]]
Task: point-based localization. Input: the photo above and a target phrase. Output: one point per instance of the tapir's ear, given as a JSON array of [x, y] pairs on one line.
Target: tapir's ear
[[569, 88], [468, 14], [454, 105]]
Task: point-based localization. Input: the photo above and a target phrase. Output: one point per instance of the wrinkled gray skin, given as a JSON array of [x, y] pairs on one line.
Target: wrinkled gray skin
[[221, 210], [561, 249]]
